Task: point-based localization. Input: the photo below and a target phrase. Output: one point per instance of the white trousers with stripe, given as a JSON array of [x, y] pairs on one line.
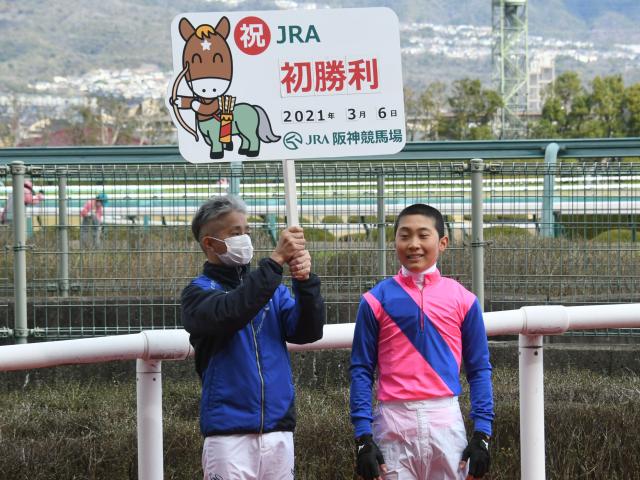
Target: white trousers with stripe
[[267, 456], [421, 440]]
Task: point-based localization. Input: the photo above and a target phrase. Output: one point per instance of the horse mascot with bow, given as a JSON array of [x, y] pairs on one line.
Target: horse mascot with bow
[[207, 67]]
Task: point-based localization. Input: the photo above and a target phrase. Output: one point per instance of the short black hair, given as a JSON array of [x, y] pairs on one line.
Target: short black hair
[[424, 210]]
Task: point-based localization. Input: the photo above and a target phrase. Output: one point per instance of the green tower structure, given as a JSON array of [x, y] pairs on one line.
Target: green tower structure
[[510, 56]]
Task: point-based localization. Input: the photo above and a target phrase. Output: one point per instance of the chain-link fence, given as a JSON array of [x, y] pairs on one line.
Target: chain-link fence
[[586, 254], [124, 271]]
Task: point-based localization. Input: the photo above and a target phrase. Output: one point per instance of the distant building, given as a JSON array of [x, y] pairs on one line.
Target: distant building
[[542, 72]]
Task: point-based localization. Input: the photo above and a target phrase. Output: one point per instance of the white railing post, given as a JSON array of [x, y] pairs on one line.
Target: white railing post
[[477, 230], [20, 330], [532, 454], [149, 412]]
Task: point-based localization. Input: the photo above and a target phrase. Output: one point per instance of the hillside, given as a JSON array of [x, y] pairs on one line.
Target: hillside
[[43, 38]]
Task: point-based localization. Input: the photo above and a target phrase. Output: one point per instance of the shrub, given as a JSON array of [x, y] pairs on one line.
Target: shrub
[[505, 231], [302, 219], [577, 226], [616, 235], [372, 236], [318, 235], [332, 219], [359, 219]]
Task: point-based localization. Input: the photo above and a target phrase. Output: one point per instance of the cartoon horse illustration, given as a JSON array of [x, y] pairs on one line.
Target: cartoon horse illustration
[[208, 70]]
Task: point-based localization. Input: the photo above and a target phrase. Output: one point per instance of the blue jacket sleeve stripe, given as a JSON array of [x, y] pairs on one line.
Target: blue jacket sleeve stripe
[[475, 353], [364, 357]]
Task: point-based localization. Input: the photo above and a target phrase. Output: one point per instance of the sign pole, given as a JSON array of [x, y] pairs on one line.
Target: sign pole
[[290, 196]]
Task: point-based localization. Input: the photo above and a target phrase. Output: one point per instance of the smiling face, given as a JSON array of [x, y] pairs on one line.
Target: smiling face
[[418, 244], [208, 57]]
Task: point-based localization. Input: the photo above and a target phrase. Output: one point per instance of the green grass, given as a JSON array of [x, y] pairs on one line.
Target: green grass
[[87, 429]]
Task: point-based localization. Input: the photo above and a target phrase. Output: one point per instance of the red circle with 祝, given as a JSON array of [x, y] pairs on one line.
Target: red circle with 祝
[[252, 35]]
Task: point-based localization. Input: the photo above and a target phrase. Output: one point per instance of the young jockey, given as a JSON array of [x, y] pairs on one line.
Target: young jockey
[[239, 321], [415, 329]]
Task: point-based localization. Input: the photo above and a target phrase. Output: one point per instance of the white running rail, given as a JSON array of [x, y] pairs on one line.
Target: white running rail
[[149, 348]]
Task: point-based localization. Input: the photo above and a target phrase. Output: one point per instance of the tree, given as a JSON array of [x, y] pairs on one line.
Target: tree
[[432, 102], [103, 121], [473, 110], [411, 112], [152, 124], [631, 110], [85, 127], [565, 108], [567, 88], [11, 129], [114, 121], [606, 101]]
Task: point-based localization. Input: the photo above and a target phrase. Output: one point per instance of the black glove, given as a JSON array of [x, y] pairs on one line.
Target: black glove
[[478, 452], [368, 457]]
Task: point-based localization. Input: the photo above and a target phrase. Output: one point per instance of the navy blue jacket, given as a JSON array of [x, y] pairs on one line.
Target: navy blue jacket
[[239, 322]]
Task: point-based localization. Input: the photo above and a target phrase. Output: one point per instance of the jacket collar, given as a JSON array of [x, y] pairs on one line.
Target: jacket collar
[[227, 277], [431, 277]]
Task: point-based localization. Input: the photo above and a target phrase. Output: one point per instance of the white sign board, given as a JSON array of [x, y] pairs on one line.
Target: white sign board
[[287, 84]]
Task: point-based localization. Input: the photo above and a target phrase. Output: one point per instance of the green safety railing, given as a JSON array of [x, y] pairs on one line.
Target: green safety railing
[[449, 150]]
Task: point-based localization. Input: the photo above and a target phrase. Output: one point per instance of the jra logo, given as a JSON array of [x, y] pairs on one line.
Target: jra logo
[[293, 34]]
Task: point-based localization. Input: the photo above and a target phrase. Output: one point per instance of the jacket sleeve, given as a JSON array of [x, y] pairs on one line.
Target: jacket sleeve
[[475, 353], [303, 318], [364, 358], [206, 311]]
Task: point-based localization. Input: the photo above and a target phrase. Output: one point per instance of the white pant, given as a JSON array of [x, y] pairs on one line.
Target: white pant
[[421, 440], [267, 456]]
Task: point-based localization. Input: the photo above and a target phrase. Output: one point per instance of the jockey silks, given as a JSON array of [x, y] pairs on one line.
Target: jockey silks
[[417, 340]]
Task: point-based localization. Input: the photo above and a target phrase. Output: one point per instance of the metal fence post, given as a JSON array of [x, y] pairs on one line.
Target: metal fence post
[[236, 171], [149, 416], [477, 226], [550, 158], [382, 233], [18, 170], [531, 373], [63, 235]]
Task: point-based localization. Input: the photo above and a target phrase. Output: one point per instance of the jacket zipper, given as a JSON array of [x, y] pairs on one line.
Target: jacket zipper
[[422, 309], [255, 343]]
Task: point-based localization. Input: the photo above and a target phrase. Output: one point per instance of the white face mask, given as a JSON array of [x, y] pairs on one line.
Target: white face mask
[[239, 250]]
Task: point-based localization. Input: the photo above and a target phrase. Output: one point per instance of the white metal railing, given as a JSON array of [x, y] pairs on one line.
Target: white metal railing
[[149, 348]]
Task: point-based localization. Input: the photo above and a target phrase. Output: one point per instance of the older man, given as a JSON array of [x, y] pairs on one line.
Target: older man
[[239, 321]]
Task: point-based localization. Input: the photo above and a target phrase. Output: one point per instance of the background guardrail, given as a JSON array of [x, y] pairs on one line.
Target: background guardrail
[[573, 243]]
